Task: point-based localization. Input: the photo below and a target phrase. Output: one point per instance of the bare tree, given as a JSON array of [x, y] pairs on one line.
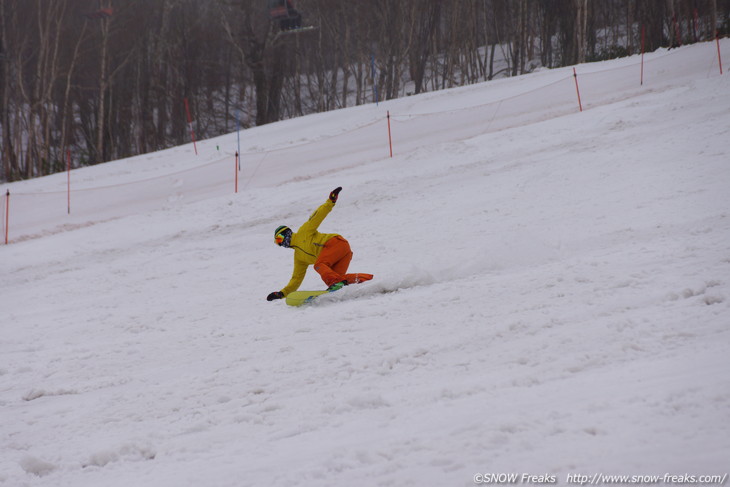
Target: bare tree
[[109, 82], [581, 23]]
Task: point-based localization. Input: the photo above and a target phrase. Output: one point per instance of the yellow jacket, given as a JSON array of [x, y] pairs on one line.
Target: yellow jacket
[[307, 243]]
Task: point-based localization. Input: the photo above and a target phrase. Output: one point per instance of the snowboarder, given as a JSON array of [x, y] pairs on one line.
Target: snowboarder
[[329, 252]]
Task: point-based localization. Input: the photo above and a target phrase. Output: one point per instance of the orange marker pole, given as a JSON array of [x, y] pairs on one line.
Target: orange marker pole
[[390, 138], [235, 169], [68, 182], [580, 105], [7, 215], [719, 57], [190, 122]]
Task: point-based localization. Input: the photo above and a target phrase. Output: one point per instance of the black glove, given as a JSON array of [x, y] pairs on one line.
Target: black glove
[[275, 295], [334, 193]]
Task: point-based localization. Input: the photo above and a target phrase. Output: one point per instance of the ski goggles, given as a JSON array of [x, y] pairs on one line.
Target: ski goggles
[[279, 239]]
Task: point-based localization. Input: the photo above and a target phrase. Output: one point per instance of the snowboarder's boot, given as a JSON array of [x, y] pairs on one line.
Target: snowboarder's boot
[[337, 286]]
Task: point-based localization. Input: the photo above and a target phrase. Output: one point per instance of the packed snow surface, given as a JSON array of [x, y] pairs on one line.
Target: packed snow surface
[[551, 295]]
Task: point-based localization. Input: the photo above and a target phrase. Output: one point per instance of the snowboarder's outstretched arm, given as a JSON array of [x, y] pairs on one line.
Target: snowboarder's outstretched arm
[[300, 270], [318, 216]]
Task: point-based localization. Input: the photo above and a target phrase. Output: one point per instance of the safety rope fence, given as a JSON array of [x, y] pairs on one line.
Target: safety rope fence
[[29, 214]]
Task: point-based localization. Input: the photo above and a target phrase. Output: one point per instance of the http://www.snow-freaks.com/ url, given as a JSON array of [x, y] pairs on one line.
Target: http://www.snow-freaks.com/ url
[[600, 479]]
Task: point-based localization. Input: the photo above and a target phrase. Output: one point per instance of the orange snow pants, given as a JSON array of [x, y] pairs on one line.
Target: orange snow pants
[[334, 260]]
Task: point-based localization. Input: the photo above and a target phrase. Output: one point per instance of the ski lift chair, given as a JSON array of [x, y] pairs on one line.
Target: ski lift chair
[[283, 11]]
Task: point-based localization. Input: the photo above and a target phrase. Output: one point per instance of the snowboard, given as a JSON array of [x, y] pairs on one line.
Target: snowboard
[[299, 298]]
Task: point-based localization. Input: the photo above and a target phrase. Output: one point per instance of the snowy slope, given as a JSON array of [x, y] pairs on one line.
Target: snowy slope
[[552, 295]]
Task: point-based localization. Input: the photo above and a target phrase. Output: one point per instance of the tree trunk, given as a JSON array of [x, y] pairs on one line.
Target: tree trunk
[[581, 22], [103, 87]]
